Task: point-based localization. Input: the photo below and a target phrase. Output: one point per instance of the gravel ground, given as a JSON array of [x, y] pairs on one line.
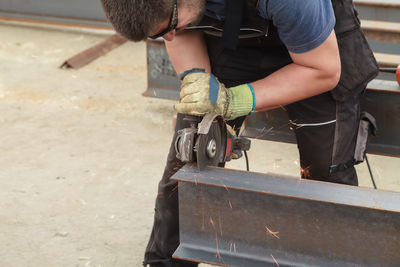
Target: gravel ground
[[82, 151]]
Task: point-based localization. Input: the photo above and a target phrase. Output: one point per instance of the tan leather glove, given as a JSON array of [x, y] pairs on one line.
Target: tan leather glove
[[202, 93]]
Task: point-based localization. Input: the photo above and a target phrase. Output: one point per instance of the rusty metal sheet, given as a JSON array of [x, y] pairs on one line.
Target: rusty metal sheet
[[94, 52], [236, 218]]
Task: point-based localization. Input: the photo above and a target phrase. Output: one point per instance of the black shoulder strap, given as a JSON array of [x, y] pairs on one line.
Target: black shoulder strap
[[233, 21]]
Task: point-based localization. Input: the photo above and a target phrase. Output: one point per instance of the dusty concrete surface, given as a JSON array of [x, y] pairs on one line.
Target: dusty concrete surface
[[82, 152]]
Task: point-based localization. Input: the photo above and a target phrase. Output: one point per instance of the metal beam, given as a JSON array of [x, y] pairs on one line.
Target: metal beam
[[87, 12], [162, 79], [236, 218], [383, 37], [382, 10]]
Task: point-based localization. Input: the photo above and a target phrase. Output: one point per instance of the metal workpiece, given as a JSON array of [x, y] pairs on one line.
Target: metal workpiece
[[236, 218]]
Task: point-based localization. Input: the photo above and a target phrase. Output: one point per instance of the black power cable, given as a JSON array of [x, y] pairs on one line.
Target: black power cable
[[247, 160], [370, 172]]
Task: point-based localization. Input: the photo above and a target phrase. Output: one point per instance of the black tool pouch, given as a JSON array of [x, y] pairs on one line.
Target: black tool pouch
[[358, 63], [367, 127]]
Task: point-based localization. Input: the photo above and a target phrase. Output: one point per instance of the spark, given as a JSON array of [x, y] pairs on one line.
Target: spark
[[202, 223], [173, 190], [226, 188], [218, 255], [220, 223], [305, 172], [154, 241], [212, 223], [275, 234], [277, 264], [264, 133], [275, 166]]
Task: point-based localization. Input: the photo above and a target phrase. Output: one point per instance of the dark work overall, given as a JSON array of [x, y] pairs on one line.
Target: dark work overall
[[325, 125]]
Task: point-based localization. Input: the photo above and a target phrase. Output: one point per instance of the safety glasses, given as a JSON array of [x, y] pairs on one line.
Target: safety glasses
[[173, 22]]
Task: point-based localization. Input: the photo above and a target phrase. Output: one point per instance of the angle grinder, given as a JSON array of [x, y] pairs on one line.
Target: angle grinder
[[209, 143]]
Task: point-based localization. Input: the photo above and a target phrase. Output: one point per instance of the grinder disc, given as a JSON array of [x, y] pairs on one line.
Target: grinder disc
[[210, 147]]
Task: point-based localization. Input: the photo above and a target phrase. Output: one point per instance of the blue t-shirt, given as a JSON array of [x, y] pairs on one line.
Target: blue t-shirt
[[302, 24]]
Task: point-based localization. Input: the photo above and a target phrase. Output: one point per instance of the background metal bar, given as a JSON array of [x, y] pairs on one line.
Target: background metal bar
[[73, 11], [162, 79], [240, 218], [381, 10], [383, 37]]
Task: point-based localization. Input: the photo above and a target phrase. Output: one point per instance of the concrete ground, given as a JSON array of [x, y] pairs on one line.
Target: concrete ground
[[82, 151]]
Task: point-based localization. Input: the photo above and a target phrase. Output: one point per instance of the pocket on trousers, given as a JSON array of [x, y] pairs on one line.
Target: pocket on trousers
[[358, 63]]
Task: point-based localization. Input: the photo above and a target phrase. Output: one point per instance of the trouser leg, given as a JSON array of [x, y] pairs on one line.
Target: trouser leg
[[326, 133], [164, 237]]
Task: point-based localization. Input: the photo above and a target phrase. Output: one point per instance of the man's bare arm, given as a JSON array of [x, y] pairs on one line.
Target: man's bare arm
[[188, 50], [311, 73]]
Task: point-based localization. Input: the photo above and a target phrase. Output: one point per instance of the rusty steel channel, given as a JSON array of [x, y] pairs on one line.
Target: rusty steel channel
[[236, 218]]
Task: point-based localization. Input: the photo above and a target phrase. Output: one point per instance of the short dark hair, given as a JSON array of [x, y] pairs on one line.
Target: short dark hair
[[136, 19]]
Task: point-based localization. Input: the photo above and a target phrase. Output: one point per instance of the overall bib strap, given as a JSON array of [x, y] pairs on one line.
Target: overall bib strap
[[233, 21]]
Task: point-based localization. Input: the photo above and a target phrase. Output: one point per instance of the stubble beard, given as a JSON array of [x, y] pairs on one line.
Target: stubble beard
[[200, 7]]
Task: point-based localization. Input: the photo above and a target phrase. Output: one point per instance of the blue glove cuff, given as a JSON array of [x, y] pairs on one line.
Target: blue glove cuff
[[254, 98], [214, 88], [194, 70]]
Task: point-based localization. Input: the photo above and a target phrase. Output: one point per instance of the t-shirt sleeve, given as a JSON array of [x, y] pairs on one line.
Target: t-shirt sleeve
[[302, 24]]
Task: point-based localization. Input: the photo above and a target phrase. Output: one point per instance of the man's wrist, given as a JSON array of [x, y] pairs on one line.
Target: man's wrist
[[242, 101]]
